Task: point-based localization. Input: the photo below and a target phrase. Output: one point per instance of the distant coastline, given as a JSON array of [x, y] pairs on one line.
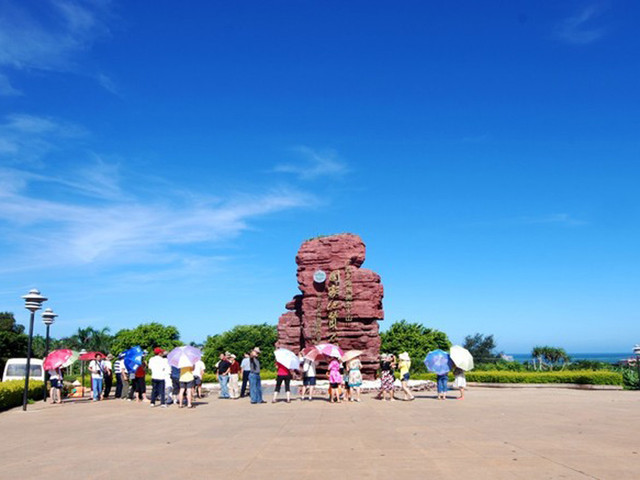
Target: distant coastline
[[594, 357]]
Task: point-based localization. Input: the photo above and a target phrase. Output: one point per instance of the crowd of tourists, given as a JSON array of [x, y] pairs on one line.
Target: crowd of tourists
[[180, 386]]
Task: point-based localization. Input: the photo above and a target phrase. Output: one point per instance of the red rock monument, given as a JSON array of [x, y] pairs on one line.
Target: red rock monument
[[340, 303]]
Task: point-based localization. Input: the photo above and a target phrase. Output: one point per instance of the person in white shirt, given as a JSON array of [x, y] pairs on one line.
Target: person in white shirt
[[159, 366], [198, 373], [245, 368], [97, 371], [108, 375]]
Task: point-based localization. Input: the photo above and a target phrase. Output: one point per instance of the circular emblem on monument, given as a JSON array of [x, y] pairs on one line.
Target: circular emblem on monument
[[319, 276]]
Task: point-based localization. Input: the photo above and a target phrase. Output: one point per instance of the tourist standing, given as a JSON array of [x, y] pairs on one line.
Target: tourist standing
[[175, 382], [198, 375], [234, 370], [245, 368], [335, 379], [404, 365], [284, 375], [55, 377], [97, 372], [186, 386], [386, 377], [255, 386], [223, 375], [140, 385], [308, 377], [460, 381], [108, 375], [441, 381], [159, 366], [118, 368], [168, 383], [355, 378]]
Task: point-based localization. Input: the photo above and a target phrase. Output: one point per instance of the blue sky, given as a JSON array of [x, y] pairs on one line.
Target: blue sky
[[163, 161]]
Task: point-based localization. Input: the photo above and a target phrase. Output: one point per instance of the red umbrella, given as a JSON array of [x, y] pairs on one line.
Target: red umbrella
[[60, 358], [91, 355]]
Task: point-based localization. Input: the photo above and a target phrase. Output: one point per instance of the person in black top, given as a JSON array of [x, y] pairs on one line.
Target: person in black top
[[223, 375], [386, 379]]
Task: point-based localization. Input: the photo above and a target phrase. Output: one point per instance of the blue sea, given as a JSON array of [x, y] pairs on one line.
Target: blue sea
[[594, 357]]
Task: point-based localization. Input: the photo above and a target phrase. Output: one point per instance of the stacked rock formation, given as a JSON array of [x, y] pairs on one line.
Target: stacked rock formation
[[344, 309]]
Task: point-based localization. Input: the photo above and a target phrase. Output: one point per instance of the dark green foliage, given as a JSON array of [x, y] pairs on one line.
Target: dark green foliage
[[630, 377], [481, 348], [241, 339], [502, 366], [548, 358], [89, 338], [13, 340], [414, 338], [11, 393], [581, 377], [148, 336]]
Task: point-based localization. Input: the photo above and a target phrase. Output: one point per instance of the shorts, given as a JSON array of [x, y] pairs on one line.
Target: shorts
[[187, 384], [198, 381], [334, 385], [56, 383], [405, 377], [309, 381]]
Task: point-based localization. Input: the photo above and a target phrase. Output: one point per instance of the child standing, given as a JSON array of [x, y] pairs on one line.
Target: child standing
[[335, 379], [460, 381]]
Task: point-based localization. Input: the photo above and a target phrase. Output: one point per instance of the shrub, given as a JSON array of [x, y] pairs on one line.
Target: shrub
[[11, 393], [581, 377], [630, 377]]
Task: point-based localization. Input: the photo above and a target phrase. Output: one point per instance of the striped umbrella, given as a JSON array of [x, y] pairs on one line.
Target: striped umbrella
[[329, 350]]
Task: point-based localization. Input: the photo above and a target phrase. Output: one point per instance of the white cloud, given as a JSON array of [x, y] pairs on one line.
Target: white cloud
[[6, 89], [124, 230], [27, 138], [579, 29], [48, 35], [313, 164]]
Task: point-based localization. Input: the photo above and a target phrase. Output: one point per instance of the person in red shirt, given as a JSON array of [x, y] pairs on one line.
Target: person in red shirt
[[234, 370], [284, 375], [139, 384]]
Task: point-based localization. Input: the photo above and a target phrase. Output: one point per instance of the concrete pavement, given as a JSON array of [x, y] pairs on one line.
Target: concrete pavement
[[492, 434]]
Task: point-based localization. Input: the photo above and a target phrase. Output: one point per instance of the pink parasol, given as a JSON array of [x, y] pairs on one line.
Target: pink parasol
[[329, 350], [91, 355], [60, 359]]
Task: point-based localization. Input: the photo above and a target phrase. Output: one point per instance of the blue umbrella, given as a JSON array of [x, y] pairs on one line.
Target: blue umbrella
[[133, 358], [437, 362]]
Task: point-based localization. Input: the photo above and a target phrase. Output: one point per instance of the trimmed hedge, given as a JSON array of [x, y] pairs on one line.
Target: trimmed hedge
[[580, 377], [11, 393]]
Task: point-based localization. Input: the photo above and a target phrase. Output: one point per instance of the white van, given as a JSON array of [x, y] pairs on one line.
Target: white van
[[16, 369]]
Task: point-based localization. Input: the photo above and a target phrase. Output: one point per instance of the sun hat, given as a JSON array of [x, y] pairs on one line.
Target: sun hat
[[257, 349], [158, 351], [109, 357], [404, 356]]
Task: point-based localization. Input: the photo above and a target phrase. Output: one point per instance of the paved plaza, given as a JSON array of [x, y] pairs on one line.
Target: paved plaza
[[492, 434]]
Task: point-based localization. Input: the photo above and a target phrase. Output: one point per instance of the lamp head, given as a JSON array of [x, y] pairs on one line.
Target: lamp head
[[48, 317], [33, 300]]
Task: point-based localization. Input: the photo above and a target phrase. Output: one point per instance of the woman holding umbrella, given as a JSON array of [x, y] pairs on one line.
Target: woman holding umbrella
[[404, 365], [462, 361], [286, 361]]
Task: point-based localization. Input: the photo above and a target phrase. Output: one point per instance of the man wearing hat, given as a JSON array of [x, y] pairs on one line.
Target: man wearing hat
[[159, 366], [255, 386], [108, 375]]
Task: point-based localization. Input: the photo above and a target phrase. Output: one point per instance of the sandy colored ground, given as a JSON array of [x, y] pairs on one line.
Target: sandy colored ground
[[492, 434]]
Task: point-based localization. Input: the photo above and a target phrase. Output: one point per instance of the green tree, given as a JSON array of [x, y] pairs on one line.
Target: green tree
[[13, 340], [482, 347], [148, 336], [239, 340], [414, 338], [90, 339], [548, 358]]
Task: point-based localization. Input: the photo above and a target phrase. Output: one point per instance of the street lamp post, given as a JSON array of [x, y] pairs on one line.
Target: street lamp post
[[48, 317], [636, 351], [82, 352], [32, 302]]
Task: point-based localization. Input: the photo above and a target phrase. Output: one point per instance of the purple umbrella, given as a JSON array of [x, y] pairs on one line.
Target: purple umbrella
[[185, 356]]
